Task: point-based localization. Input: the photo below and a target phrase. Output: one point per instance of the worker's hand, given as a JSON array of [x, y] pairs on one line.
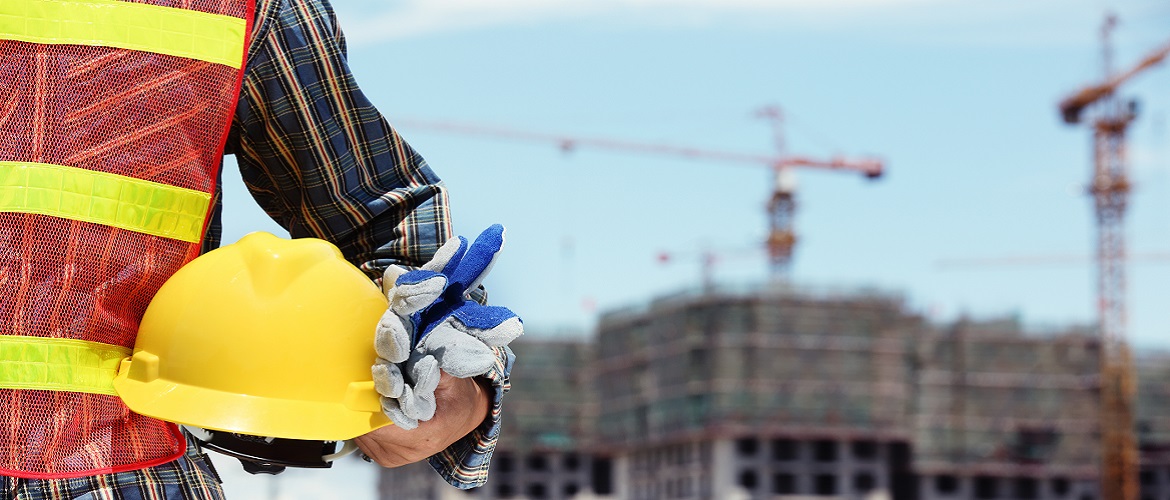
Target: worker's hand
[[394, 338], [431, 325], [463, 404]]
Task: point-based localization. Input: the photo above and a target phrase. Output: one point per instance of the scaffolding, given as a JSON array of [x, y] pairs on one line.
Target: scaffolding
[[776, 360], [695, 394], [1153, 403], [994, 400], [552, 405]]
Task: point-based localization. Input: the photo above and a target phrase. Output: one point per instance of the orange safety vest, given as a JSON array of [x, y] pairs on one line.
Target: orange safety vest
[[113, 118]]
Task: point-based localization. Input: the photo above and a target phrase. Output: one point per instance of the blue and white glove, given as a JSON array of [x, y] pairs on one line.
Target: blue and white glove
[[432, 325]]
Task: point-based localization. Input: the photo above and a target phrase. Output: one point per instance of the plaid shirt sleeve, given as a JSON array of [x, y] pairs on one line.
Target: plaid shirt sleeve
[[324, 163]]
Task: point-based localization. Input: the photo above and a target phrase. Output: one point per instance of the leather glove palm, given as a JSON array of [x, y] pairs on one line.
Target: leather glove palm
[[431, 325]]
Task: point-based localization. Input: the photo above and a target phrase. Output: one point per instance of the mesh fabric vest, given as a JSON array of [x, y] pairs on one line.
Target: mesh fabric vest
[[113, 117]]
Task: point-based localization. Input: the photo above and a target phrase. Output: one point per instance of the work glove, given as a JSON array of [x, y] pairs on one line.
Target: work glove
[[431, 325]]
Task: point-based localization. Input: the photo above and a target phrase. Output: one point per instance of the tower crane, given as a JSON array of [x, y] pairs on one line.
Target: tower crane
[[781, 206], [1110, 188]]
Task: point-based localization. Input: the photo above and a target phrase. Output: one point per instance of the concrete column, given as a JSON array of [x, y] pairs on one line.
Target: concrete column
[[723, 465], [622, 470]]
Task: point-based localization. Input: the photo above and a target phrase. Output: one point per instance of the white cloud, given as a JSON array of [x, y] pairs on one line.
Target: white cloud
[[372, 22], [998, 23]]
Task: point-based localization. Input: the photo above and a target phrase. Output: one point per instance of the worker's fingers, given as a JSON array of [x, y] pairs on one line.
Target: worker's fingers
[[388, 379], [448, 256], [425, 375], [393, 409], [458, 353], [416, 290], [495, 326], [392, 338]]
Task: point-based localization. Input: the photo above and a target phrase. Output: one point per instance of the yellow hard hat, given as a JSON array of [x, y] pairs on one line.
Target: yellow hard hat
[[264, 337]]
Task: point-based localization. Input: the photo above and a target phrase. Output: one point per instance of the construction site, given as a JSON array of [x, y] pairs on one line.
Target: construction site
[[779, 391]]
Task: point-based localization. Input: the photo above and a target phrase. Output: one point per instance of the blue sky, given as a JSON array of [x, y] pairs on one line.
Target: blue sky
[[959, 99]]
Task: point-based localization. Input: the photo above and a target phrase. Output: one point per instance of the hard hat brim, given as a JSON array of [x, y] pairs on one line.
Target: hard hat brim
[[358, 414]]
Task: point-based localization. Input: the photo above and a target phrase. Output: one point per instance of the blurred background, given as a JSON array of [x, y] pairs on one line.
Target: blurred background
[[628, 144]]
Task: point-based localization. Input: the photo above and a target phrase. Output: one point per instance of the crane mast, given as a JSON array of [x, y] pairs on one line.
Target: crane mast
[[1109, 188], [1110, 191], [781, 207], [781, 204]]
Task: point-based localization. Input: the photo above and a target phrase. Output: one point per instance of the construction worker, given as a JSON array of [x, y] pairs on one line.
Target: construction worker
[[114, 116]]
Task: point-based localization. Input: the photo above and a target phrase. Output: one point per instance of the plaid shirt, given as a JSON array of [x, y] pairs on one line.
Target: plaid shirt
[[188, 478], [324, 163]]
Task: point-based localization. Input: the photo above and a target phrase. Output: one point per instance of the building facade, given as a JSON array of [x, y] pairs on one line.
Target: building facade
[[778, 393]]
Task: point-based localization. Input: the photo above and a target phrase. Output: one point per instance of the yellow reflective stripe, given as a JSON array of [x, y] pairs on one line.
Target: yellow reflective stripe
[[59, 364], [103, 198], [178, 32]]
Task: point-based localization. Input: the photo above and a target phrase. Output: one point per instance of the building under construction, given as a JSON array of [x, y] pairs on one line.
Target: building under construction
[[550, 424], [783, 393]]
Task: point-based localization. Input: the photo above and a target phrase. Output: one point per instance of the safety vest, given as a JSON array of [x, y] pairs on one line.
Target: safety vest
[[113, 118]]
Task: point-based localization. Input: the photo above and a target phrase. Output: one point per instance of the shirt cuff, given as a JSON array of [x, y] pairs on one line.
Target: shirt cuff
[[465, 464]]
